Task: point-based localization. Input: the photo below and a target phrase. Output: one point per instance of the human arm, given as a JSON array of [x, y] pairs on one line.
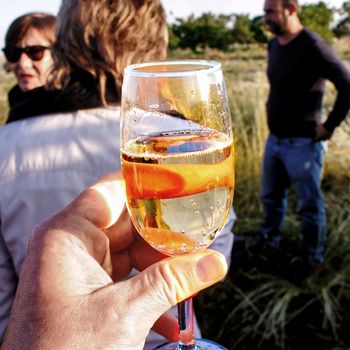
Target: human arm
[[335, 71], [321, 133], [8, 285], [223, 243], [72, 293]]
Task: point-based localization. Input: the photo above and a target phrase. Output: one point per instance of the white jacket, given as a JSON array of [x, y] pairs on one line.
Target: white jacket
[[45, 162]]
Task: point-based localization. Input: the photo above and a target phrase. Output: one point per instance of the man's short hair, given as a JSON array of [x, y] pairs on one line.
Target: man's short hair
[[287, 3]]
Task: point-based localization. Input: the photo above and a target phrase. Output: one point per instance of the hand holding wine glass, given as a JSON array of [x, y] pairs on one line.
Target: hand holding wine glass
[[68, 271], [178, 161]]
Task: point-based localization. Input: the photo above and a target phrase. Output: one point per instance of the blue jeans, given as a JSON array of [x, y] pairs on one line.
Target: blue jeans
[[294, 162]]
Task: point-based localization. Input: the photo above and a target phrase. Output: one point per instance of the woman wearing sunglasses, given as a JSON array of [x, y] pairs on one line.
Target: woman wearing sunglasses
[[28, 44]]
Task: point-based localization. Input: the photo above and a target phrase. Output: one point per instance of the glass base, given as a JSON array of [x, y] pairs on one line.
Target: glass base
[[201, 344]]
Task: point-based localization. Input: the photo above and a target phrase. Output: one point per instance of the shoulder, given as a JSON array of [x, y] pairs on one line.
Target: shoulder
[[320, 50], [31, 103], [316, 41], [272, 43], [57, 140], [55, 126], [311, 36]]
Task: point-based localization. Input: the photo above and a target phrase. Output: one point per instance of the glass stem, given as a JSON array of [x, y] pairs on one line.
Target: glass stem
[[186, 325]]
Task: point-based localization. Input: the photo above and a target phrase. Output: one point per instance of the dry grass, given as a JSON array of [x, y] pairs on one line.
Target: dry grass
[[274, 300], [7, 81]]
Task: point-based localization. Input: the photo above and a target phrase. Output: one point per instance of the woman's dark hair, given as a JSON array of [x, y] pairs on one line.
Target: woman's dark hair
[[43, 22]]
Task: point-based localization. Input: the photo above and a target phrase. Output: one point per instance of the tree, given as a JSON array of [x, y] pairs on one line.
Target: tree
[[242, 32], [173, 39], [257, 27], [318, 17], [343, 26], [186, 32], [208, 30]]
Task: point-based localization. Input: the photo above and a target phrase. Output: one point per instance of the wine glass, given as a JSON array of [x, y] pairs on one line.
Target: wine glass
[[177, 161]]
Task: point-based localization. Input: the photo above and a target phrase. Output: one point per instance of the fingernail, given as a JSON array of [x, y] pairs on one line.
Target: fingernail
[[211, 268]]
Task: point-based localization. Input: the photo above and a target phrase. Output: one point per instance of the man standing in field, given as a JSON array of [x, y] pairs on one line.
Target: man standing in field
[[299, 63]]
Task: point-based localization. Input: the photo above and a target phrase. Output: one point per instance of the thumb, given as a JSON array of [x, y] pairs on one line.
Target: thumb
[[174, 279], [188, 274], [177, 278]]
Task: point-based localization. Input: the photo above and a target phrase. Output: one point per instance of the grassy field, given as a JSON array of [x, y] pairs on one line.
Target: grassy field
[[7, 81], [271, 300]]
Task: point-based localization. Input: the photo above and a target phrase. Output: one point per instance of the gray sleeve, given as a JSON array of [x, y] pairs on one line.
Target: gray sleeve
[[224, 241], [8, 285]]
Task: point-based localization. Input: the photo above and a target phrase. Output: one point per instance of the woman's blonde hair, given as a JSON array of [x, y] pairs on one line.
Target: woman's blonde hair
[[102, 37]]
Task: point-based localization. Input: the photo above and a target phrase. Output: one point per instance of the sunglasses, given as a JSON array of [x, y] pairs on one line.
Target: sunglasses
[[35, 52]]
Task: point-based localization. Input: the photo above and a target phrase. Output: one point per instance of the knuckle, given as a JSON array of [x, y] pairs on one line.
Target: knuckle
[[175, 284]]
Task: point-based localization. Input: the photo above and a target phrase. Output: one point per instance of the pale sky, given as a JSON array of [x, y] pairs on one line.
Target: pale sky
[[10, 9]]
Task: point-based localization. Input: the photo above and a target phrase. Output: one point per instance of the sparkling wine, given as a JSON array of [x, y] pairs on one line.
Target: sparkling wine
[[179, 187]]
